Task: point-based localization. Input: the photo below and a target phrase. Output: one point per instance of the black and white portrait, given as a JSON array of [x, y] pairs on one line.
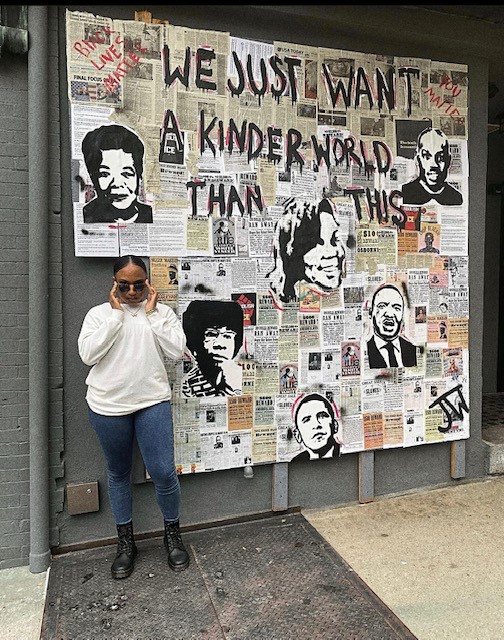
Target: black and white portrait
[[433, 160], [214, 332], [172, 274], [315, 426], [387, 348], [429, 244], [114, 158], [307, 248]]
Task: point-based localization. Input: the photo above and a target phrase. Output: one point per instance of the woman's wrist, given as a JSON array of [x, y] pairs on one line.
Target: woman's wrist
[[150, 311]]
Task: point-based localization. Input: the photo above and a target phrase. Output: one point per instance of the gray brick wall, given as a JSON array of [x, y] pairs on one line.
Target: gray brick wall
[[14, 431], [14, 437]]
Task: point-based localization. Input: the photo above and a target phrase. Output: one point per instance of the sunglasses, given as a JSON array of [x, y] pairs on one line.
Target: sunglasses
[[124, 287]]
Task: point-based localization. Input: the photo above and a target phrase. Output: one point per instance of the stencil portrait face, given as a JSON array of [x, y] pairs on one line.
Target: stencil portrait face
[[314, 424], [307, 248], [387, 313], [219, 342], [323, 264], [433, 159], [118, 178]]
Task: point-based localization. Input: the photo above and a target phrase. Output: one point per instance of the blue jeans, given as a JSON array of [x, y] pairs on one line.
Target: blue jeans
[[153, 428]]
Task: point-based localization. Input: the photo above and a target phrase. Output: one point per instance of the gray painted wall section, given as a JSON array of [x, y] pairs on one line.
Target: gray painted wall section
[[14, 179], [215, 496]]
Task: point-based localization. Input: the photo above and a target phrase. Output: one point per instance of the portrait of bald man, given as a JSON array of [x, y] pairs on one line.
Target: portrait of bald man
[[433, 160]]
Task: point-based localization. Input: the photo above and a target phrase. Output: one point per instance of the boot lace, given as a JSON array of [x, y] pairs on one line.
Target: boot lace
[[173, 537], [125, 541]]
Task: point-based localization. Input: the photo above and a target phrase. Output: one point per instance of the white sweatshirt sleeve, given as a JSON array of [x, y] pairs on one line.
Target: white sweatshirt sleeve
[[98, 333], [168, 331]]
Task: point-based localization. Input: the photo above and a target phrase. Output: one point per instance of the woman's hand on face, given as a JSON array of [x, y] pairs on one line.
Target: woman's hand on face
[[113, 299], [152, 296]]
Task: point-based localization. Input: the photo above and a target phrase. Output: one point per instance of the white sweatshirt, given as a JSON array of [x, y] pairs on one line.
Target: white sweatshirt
[[126, 354]]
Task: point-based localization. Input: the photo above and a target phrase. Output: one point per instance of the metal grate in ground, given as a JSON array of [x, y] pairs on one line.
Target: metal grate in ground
[[270, 579]]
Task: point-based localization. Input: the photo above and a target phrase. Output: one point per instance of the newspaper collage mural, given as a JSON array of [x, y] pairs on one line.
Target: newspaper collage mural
[[304, 211]]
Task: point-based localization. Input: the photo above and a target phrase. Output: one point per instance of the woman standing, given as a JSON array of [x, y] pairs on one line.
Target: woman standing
[[125, 341]]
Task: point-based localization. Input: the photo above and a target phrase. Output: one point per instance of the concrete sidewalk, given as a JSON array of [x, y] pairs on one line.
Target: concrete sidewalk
[[22, 600], [435, 558]]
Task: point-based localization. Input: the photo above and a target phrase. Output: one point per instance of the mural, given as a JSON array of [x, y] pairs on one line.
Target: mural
[[305, 213]]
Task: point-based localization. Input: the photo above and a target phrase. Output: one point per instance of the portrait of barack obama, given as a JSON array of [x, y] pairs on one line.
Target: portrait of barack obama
[[316, 426], [387, 348]]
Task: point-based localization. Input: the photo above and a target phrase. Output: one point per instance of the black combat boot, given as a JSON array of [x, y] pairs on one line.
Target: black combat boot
[[178, 558], [123, 564]]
